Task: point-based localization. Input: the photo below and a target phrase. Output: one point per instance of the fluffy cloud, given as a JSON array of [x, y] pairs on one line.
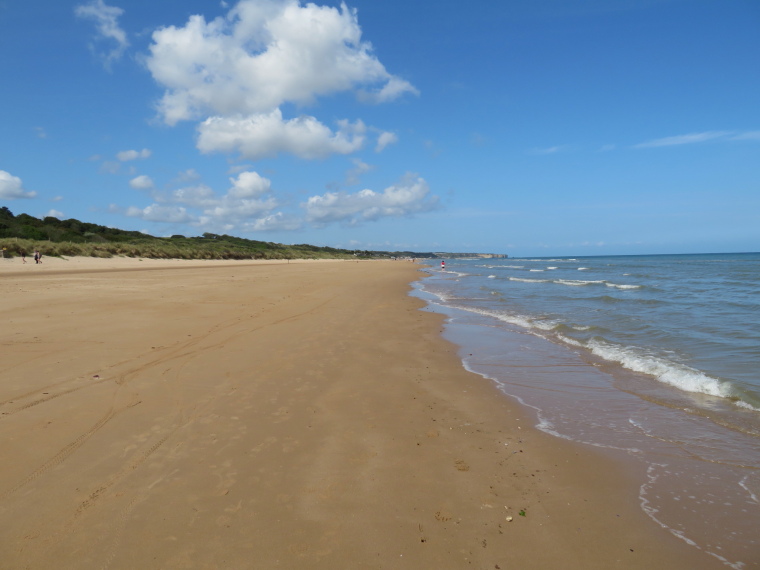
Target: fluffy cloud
[[390, 91], [127, 155], [11, 187], [384, 140], [107, 25], [274, 222], [247, 205], [142, 182], [55, 214], [411, 195], [161, 213], [248, 201], [267, 134], [261, 55], [200, 196], [249, 185]]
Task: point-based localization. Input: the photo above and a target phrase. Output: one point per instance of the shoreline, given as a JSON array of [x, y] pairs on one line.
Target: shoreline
[[274, 415], [699, 477]]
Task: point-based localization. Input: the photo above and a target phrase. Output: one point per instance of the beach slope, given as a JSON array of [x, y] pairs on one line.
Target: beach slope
[[274, 415]]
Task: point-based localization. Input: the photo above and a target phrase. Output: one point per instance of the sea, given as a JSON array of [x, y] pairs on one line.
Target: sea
[[654, 359]]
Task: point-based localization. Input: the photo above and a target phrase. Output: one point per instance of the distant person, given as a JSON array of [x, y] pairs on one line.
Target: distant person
[[37, 257], [23, 256], [443, 265]]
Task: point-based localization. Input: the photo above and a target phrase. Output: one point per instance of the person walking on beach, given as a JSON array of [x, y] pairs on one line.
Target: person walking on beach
[[37, 257], [23, 256], [443, 265]]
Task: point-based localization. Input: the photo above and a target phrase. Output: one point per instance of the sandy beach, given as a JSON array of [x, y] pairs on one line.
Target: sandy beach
[[171, 414]]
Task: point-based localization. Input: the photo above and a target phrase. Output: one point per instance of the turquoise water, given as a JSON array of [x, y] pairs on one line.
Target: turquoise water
[[653, 357]]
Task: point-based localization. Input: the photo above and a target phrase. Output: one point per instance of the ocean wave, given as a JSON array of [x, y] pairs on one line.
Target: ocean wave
[[536, 270], [624, 287], [583, 268], [674, 374], [440, 295], [514, 266], [565, 329], [746, 405], [521, 280], [551, 268], [521, 321], [576, 283], [743, 485], [570, 341]]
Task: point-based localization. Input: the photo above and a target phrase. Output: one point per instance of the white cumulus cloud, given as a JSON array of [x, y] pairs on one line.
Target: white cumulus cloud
[[199, 196], [411, 195], [390, 91], [127, 155], [273, 222], [161, 213], [384, 139], [267, 134], [249, 185], [247, 202], [263, 54], [141, 182], [247, 205], [11, 187], [107, 24]]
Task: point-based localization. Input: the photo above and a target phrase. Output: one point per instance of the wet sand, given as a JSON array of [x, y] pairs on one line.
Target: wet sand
[[273, 415]]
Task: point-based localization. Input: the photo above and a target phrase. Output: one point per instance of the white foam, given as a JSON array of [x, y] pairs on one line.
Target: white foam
[[521, 280], [743, 485], [537, 270], [441, 296], [518, 320], [576, 283], [671, 373], [492, 276], [616, 286], [653, 513], [515, 266], [570, 341], [583, 269], [746, 405], [551, 268]]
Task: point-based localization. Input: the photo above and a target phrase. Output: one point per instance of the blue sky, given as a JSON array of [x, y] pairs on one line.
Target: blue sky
[[531, 127]]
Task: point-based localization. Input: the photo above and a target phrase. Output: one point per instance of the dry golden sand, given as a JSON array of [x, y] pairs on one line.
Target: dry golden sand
[[273, 415]]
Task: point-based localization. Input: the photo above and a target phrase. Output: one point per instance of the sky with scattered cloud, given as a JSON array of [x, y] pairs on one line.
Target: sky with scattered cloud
[[541, 127]]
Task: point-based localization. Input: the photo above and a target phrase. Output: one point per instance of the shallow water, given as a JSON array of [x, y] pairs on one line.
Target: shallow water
[[655, 357]]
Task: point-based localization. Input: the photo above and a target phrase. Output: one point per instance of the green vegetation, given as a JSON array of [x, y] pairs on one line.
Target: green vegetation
[[59, 238]]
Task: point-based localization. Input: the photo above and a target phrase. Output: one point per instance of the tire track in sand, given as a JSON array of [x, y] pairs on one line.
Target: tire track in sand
[[70, 448]]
